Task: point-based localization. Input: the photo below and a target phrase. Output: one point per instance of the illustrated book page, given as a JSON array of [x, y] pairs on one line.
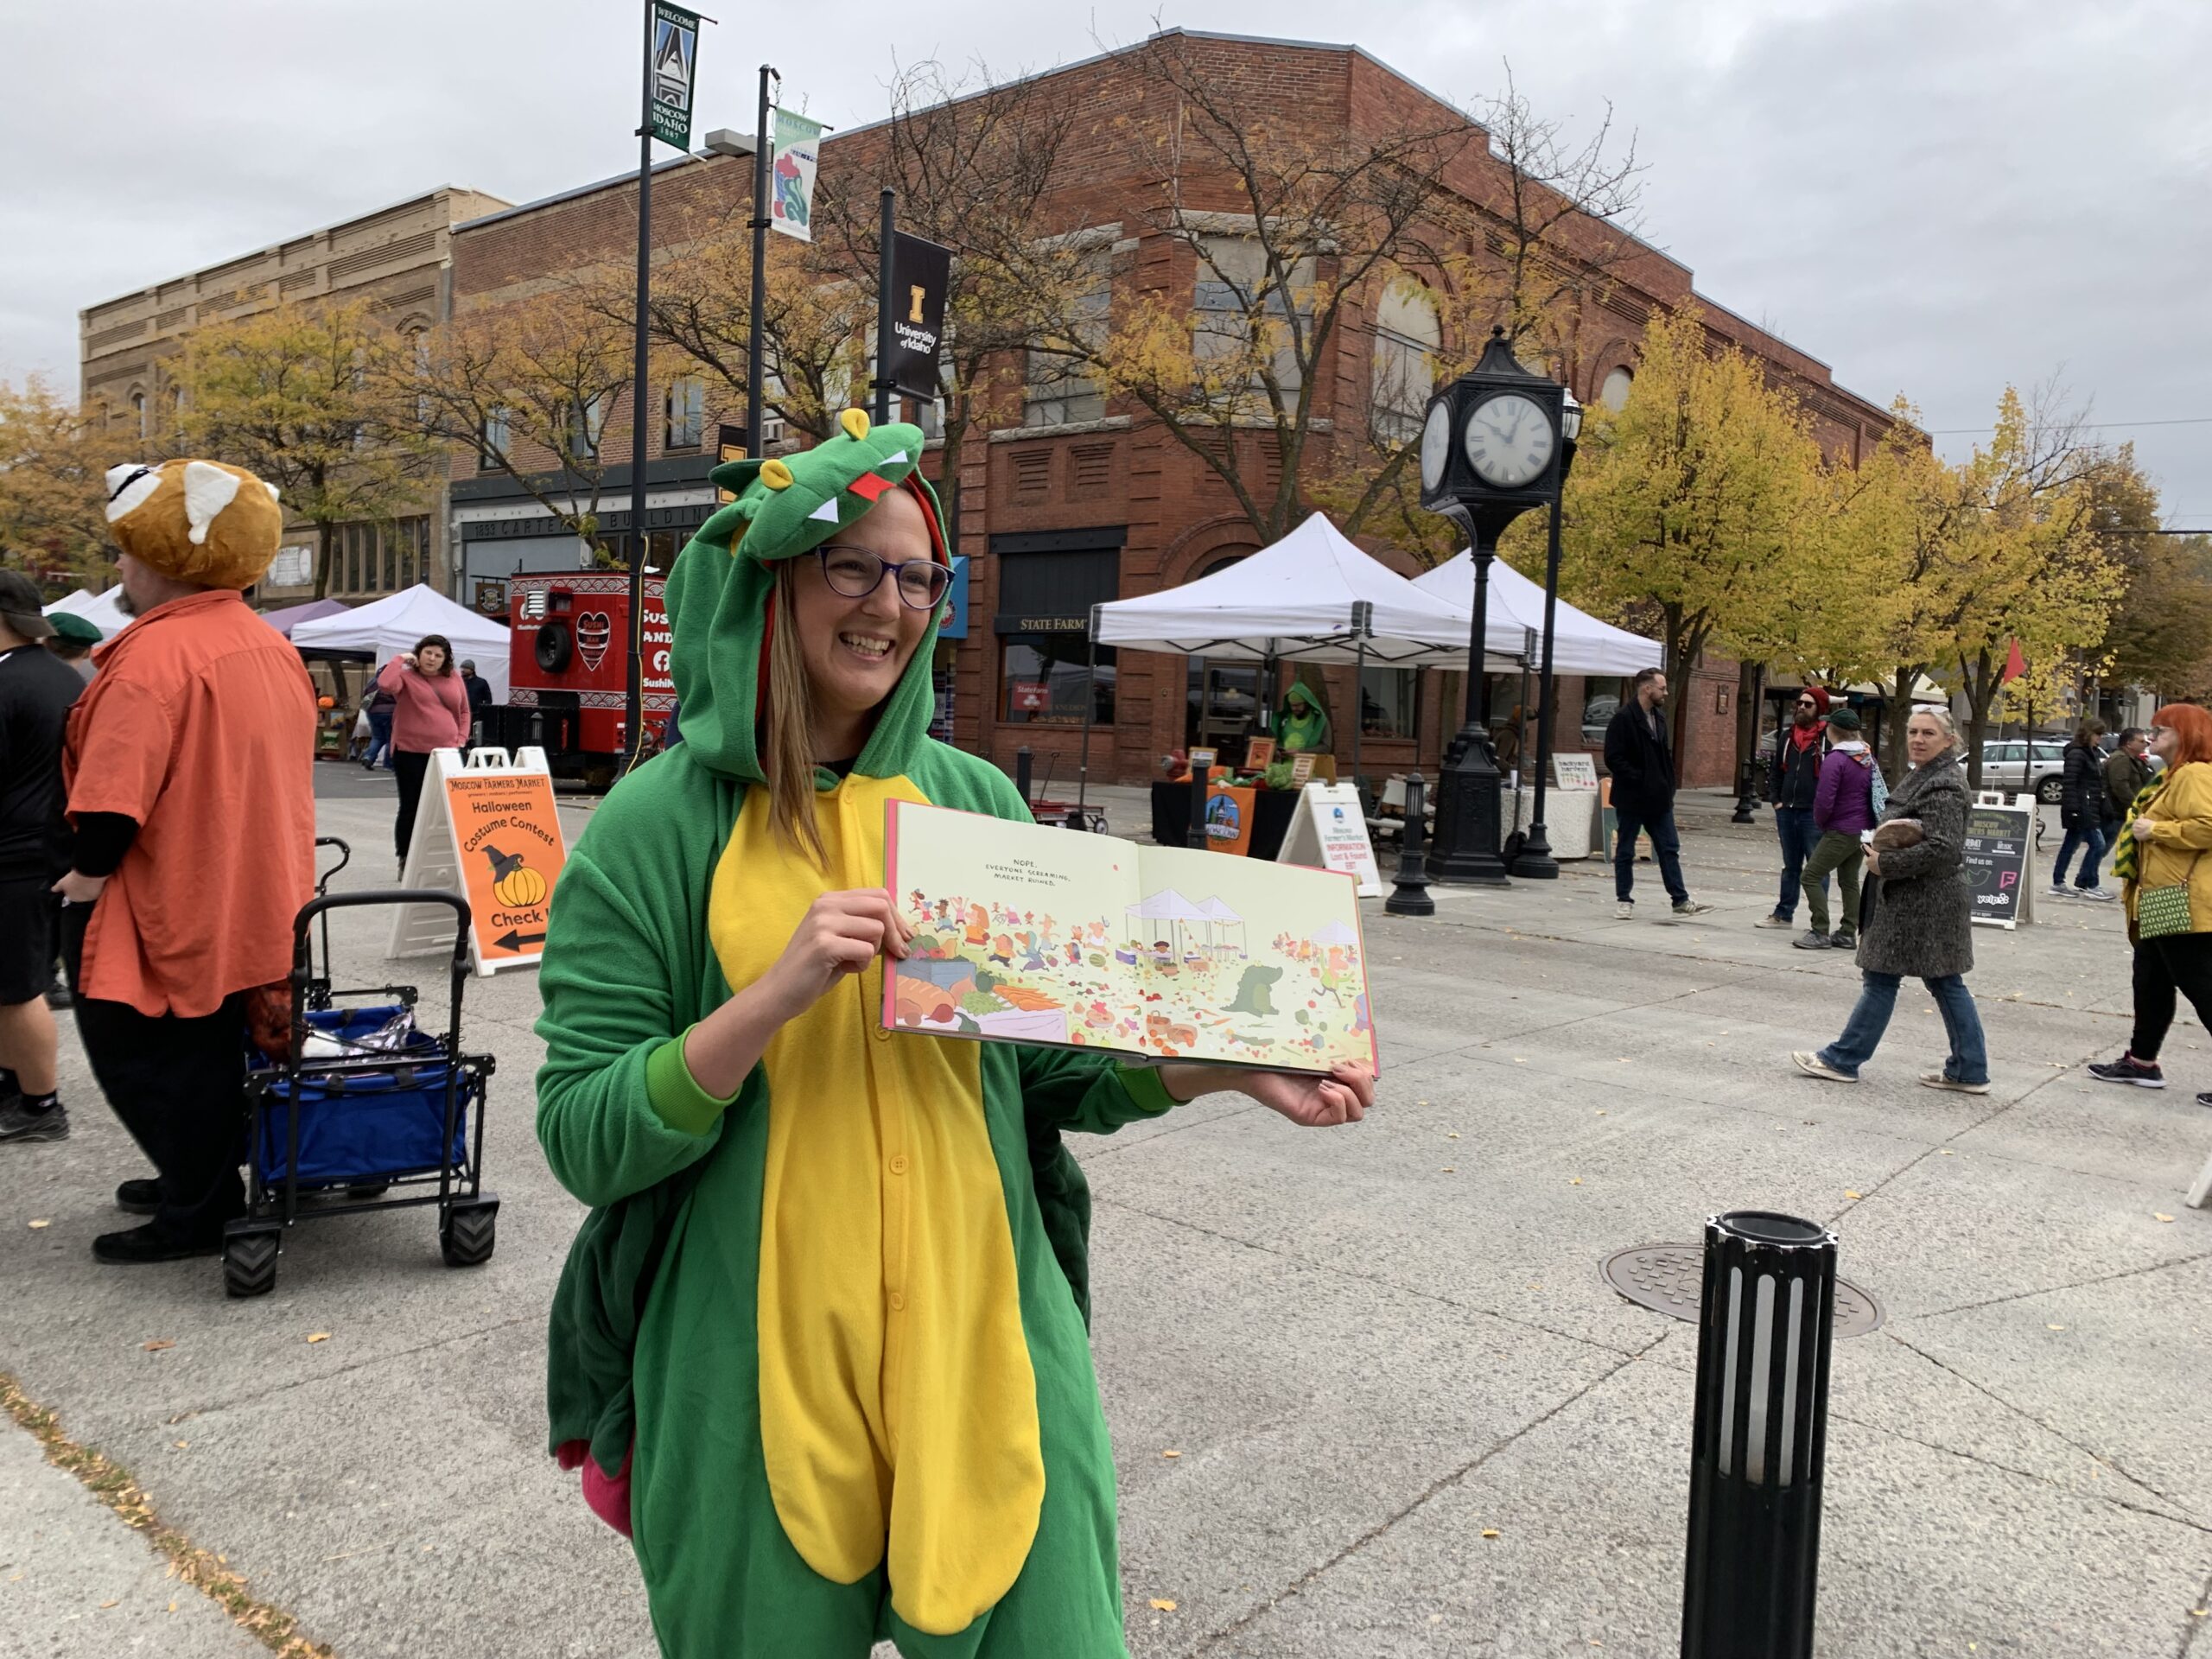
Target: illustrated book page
[[1032, 934]]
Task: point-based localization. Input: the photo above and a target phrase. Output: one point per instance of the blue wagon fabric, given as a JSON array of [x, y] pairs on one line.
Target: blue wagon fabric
[[380, 1124]]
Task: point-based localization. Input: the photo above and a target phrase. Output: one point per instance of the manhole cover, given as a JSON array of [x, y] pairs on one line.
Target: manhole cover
[[1668, 1278]]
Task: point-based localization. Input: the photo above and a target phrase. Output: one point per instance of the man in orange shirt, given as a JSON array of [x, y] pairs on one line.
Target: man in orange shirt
[[188, 766]]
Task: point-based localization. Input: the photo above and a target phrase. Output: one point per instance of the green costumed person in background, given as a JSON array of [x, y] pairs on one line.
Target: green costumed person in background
[[820, 1347], [1304, 728]]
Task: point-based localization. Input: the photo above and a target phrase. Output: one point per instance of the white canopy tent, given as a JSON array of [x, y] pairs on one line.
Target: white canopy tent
[[1584, 644], [390, 626], [103, 611]]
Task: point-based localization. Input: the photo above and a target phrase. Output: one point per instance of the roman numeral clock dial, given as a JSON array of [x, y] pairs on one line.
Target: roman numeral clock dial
[[1509, 441]]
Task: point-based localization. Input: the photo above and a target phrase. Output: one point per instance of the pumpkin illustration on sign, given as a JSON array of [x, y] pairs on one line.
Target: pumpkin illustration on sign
[[513, 882]]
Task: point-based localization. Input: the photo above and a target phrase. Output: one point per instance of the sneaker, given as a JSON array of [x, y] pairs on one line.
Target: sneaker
[[1775, 919], [2101, 894], [2204, 1100], [1937, 1080], [1840, 940], [142, 1197], [1625, 910], [1814, 940], [2058, 889], [1691, 907], [2129, 1069], [1814, 1066], [19, 1122]]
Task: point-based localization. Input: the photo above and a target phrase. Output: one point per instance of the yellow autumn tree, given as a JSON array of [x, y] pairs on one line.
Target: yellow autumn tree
[[290, 394], [1698, 506], [53, 519]]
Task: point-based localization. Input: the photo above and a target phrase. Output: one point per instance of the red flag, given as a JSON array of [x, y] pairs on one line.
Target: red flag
[[2015, 664]]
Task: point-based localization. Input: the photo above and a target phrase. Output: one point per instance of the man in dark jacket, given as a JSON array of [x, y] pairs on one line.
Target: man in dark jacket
[[37, 691], [2082, 811], [1793, 784], [1642, 769], [2127, 774]]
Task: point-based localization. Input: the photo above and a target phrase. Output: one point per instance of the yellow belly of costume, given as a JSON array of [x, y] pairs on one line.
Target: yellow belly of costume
[[898, 1404]]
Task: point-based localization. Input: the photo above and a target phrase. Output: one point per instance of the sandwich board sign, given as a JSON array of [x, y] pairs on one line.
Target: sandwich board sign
[[1574, 772], [1998, 854], [1328, 831], [488, 831]]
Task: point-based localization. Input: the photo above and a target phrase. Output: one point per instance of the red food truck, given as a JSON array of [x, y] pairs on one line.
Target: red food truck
[[566, 669]]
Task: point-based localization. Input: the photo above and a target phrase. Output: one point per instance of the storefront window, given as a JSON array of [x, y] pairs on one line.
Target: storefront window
[[1387, 701], [1044, 675], [1601, 701]]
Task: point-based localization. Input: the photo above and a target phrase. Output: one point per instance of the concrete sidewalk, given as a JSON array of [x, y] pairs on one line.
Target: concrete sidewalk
[[1370, 1348]]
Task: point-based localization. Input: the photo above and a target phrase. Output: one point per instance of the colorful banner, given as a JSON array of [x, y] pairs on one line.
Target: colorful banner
[[675, 72], [796, 149]]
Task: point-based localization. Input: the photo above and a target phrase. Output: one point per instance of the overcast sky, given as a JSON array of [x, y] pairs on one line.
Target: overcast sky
[[1935, 197]]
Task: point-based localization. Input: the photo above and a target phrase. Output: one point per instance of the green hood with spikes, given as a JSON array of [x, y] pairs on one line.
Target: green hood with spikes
[[718, 595]]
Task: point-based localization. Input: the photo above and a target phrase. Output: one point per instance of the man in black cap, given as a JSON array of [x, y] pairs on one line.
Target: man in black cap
[[36, 690]]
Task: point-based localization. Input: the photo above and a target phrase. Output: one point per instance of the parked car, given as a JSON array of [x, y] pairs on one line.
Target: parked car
[[2017, 765]]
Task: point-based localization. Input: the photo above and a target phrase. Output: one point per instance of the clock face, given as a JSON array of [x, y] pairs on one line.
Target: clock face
[[1509, 441], [1435, 445]]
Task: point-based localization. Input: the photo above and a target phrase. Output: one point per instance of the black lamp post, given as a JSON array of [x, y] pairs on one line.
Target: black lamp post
[[1491, 448], [1536, 861]]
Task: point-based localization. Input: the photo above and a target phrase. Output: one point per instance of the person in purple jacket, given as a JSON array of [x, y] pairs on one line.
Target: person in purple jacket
[[1842, 808]]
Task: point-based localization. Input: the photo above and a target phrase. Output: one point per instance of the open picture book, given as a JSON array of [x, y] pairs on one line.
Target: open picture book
[[1024, 934]]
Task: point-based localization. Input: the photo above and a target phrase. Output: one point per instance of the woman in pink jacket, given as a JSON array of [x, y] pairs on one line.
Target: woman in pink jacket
[[432, 713]]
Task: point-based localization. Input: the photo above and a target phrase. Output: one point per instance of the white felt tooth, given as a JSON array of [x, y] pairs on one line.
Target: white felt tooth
[[827, 512], [271, 488], [898, 460], [207, 490], [146, 484]]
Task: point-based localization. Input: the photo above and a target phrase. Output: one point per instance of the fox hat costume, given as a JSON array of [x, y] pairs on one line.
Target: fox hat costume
[[820, 1343], [198, 521]]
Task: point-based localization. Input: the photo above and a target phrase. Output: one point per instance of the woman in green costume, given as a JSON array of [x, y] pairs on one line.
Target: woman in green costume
[[1304, 728], [820, 1347]]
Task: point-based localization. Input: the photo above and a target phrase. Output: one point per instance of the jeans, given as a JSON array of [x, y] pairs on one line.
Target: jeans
[[1844, 856], [1877, 997], [1666, 846], [1794, 825], [2179, 962], [2090, 837], [380, 736]]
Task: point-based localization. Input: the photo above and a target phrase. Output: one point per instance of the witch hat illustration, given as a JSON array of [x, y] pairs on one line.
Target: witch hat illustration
[[503, 864]]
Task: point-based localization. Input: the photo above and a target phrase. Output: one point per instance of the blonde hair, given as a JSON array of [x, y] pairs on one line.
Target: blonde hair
[[787, 724]]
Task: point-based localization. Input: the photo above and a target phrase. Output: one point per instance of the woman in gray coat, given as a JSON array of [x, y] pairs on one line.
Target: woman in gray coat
[[1921, 924]]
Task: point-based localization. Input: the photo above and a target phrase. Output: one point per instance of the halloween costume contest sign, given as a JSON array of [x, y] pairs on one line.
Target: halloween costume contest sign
[[508, 842]]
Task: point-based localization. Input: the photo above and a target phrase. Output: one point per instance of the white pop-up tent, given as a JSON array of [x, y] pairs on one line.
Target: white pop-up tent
[[103, 611], [1516, 607], [1294, 602], [387, 627]]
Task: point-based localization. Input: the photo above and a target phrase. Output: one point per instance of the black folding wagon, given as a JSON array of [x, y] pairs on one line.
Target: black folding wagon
[[367, 1110]]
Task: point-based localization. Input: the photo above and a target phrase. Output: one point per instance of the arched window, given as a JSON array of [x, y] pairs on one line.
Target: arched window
[[1614, 393], [138, 407], [1406, 342]]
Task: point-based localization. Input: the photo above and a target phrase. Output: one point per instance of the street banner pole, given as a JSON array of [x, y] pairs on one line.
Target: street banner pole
[[886, 231], [755, 379], [671, 73]]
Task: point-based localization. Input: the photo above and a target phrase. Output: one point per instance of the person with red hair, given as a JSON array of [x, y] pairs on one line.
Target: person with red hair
[[2167, 886]]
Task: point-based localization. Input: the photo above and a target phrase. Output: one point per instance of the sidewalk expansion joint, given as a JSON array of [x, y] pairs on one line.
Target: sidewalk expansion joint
[[1442, 1483], [202, 1569], [2053, 1290], [2191, 1622], [238, 1401]]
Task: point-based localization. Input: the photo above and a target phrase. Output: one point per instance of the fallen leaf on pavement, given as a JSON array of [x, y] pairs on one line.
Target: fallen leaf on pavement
[[319, 1336], [1490, 1532], [2046, 1327], [157, 1344], [2160, 1215], [1848, 1193], [1165, 1454], [1161, 1605], [182, 1445], [106, 1604], [41, 1222]]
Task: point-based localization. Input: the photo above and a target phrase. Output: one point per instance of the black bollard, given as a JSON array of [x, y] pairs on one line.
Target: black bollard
[[1198, 830], [1021, 765], [1759, 1440], [1409, 892], [1747, 786]]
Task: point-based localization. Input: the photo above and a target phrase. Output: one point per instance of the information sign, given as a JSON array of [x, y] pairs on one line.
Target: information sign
[[487, 829], [1998, 852], [1329, 832]]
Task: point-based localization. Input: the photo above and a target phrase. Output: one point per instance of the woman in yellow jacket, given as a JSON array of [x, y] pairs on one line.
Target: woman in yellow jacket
[[2163, 845]]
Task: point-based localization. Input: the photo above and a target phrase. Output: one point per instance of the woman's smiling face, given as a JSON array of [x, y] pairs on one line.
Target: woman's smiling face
[[855, 649]]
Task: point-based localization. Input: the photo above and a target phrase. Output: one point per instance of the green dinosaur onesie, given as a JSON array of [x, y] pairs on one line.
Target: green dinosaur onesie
[[834, 1325]]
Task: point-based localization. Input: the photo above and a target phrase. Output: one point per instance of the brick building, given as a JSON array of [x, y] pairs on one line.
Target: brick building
[[1087, 498], [397, 259]]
